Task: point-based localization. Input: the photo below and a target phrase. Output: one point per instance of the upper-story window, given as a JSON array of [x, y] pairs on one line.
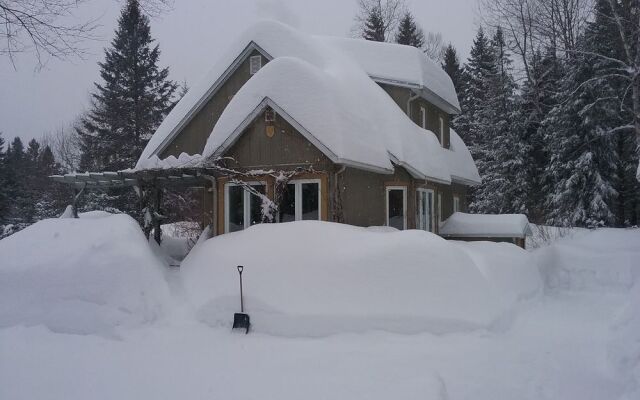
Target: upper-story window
[[442, 131], [423, 117], [255, 63]]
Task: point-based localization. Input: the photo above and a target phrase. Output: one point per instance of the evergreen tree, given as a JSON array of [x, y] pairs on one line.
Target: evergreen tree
[[374, 25], [128, 105], [132, 100], [477, 74], [4, 190], [500, 151], [409, 33], [451, 65]]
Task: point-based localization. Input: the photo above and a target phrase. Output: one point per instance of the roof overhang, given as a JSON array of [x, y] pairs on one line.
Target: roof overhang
[[422, 91]]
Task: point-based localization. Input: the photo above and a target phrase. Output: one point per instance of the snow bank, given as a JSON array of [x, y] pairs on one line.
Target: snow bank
[[315, 278], [624, 345], [82, 276], [510, 270], [592, 260], [485, 225]]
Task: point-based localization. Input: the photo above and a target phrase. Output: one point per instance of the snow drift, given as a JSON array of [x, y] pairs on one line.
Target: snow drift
[[314, 278], [592, 260], [82, 276]]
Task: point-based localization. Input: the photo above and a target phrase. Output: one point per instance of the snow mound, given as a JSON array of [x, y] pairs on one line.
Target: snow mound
[[592, 260], [624, 344], [315, 278], [485, 225], [81, 276]]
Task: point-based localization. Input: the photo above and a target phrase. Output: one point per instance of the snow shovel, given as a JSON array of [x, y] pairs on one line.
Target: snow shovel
[[241, 320]]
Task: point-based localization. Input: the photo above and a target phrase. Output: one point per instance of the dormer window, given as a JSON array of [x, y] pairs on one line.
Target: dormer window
[[255, 63], [442, 131], [423, 117]]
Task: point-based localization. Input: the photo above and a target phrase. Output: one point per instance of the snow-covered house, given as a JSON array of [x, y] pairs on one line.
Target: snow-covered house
[[366, 122], [359, 130]]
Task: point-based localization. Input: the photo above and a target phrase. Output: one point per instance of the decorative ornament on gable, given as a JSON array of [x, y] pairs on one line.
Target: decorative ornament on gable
[[270, 118]]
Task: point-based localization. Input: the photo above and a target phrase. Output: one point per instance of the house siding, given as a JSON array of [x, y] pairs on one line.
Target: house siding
[[193, 136]]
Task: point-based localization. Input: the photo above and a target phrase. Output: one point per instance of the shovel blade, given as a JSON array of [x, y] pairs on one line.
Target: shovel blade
[[241, 321]]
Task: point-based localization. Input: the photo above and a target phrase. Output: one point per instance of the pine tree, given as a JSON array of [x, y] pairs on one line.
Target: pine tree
[[4, 190], [477, 73], [499, 150], [409, 33], [451, 65], [591, 170], [132, 100], [374, 26]]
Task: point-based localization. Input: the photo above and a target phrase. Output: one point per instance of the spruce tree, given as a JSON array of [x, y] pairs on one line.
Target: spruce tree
[[4, 190], [134, 96], [451, 65], [409, 33], [374, 26]]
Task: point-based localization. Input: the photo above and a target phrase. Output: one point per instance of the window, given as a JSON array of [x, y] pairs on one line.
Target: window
[[439, 209], [441, 131], [300, 201], [424, 209], [423, 117], [242, 208], [396, 207], [255, 63], [456, 203]]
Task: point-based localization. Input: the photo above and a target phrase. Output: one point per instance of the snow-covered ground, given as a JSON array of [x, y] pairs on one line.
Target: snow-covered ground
[[344, 313]]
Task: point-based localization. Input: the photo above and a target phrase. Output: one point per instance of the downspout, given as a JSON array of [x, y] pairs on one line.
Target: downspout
[[409, 100]]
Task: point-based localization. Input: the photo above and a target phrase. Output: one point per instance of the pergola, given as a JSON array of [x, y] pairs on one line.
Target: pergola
[[149, 184]]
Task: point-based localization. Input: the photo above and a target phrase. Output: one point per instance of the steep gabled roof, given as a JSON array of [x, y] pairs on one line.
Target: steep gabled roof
[[322, 90]]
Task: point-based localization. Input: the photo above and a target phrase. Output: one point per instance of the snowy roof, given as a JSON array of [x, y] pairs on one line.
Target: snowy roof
[[401, 65], [486, 225], [461, 165], [325, 93]]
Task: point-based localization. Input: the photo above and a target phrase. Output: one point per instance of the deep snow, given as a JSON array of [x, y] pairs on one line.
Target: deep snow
[[570, 342]]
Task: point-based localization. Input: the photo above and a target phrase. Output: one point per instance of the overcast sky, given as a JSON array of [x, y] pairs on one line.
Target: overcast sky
[[191, 35]]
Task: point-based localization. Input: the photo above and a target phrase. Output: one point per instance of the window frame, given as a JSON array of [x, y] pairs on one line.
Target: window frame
[[404, 204], [456, 203], [246, 203], [441, 122], [298, 197], [439, 209], [432, 217], [252, 59], [423, 117]]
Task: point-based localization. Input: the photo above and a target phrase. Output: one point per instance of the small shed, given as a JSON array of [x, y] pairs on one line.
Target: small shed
[[512, 228]]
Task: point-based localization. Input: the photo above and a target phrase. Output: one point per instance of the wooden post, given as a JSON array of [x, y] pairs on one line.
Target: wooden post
[[157, 200]]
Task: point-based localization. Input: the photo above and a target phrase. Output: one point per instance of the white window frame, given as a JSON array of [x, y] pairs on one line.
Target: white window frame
[[432, 218], [439, 209], [441, 120], [456, 203], [246, 203], [298, 196], [253, 62], [404, 204], [423, 117]]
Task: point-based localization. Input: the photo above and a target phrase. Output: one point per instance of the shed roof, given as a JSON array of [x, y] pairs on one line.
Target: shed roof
[[486, 225]]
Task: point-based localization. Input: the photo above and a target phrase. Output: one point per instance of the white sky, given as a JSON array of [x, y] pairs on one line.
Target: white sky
[[190, 35]]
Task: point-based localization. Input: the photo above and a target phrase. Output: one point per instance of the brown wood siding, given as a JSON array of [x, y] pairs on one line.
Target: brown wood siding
[[287, 149], [193, 137], [363, 196]]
